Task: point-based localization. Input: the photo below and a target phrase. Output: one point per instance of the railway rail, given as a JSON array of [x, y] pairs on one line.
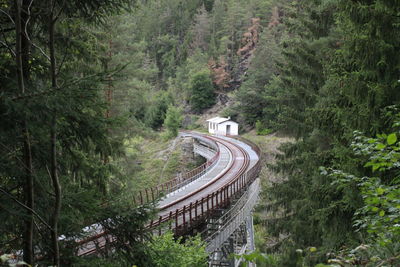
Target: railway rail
[[202, 192]]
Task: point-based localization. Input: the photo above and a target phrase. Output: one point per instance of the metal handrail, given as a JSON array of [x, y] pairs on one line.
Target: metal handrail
[[191, 215], [234, 217], [153, 193]]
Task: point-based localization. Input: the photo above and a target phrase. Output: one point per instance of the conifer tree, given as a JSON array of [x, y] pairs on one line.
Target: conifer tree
[[201, 91]]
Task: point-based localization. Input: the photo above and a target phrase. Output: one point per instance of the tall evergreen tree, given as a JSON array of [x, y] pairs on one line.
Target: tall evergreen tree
[[54, 124], [336, 77]]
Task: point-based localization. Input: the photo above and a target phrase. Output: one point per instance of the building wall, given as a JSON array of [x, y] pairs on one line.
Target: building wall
[[233, 131], [220, 128], [211, 127]]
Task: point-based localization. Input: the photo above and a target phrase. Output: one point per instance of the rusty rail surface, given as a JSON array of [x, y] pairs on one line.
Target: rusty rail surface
[[189, 216]]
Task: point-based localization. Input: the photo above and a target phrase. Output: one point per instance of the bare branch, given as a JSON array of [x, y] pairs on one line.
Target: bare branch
[[11, 151], [8, 47], [26, 207], [6, 44], [62, 61], [28, 12], [59, 12], [40, 49], [8, 15]]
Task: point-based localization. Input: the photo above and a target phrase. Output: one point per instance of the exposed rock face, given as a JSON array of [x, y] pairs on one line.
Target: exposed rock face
[[224, 77], [187, 120], [228, 78], [219, 70], [250, 39], [249, 42], [187, 148], [222, 99]]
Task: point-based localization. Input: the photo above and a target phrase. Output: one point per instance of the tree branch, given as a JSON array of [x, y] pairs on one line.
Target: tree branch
[[40, 49], [8, 15], [8, 47], [62, 61], [59, 11], [20, 160], [25, 207], [77, 81], [28, 12], [6, 44]]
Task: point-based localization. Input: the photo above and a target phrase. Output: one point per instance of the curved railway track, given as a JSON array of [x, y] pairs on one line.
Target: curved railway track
[[237, 166], [199, 200]]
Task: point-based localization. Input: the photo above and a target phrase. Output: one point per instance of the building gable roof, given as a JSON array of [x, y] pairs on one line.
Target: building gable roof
[[228, 122], [218, 120]]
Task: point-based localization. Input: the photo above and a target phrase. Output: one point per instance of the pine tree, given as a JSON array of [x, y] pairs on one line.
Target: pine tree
[[56, 125], [200, 30], [201, 91], [173, 120]]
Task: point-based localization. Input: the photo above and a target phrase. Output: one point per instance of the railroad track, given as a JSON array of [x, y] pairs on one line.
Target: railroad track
[[199, 198], [197, 204]]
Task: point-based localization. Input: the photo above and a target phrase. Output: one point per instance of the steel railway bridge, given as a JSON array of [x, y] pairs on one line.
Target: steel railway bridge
[[215, 199]]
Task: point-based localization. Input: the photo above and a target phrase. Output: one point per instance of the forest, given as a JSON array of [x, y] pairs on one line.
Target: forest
[[93, 94]]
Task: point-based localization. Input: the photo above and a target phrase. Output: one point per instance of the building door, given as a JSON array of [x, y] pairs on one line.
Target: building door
[[228, 130]]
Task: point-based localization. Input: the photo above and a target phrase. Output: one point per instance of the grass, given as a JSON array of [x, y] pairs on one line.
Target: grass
[[155, 159]]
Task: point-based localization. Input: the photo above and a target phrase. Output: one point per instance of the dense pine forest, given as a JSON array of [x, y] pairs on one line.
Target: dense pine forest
[[93, 94]]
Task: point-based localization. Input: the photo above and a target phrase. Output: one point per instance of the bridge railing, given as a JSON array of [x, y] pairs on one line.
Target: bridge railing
[[150, 194], [204, 151], [231, 220], [189, 216]]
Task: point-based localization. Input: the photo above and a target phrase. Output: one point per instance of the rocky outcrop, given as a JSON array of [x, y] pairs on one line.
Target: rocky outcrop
[[187, 148], [223, 75], [245, 52]]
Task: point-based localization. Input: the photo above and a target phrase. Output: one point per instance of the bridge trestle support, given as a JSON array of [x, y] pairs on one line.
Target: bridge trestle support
[[240, 242]]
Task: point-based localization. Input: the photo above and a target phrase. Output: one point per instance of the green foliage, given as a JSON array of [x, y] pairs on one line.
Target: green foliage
[[332, 72], [382, 151], [260, 130], [127, 226], [156, 112], [379, 217], [252, 100], [179, 86], [201, 91], [366, 255], [88, 142], [164, 25], [261, 259], [165, 251], [173, 120]]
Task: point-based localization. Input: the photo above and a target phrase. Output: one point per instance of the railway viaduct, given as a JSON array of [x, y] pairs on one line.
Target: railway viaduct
[[215, 199]]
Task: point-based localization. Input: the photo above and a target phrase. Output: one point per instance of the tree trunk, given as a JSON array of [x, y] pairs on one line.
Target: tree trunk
[[29, 199], [28, 253], [53, 136], [57, 194]]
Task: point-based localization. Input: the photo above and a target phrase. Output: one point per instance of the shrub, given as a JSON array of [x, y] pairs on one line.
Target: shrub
[[201, 91], [260, 130], [173, 120]]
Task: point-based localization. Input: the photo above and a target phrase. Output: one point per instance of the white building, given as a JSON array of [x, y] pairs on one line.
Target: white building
[[222, 126]]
